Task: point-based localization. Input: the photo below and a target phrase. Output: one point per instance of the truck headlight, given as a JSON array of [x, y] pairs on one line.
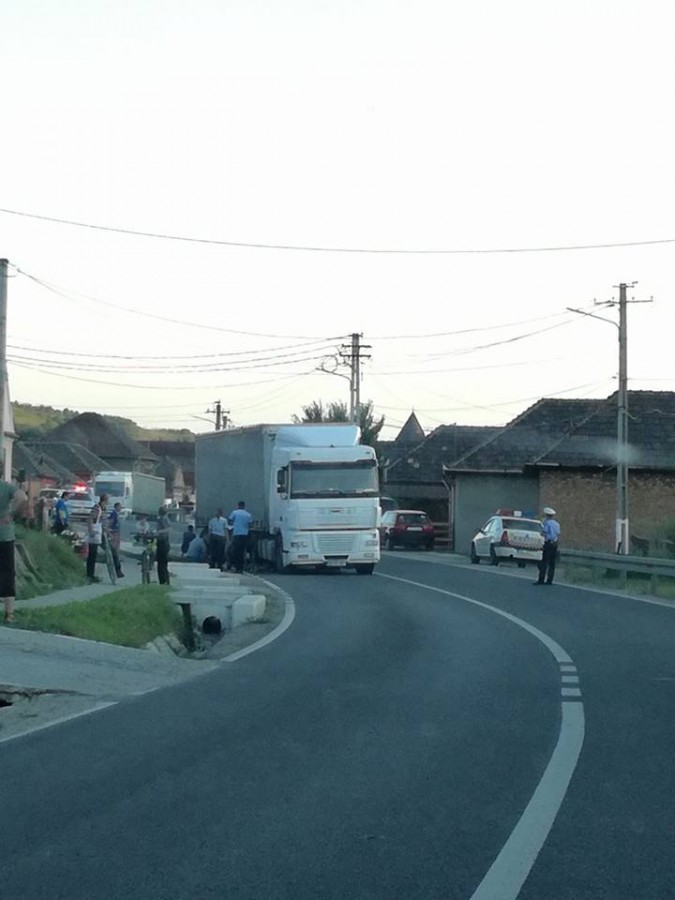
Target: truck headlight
[[299, 544], [372, 543]]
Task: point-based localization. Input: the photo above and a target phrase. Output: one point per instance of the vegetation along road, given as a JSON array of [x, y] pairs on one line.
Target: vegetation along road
[[434, 731]]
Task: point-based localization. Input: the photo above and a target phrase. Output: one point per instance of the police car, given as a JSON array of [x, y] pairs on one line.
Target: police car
[[508, 535]]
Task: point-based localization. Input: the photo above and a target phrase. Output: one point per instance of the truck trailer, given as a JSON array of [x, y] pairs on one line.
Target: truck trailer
[[313, 492], [139, 494]]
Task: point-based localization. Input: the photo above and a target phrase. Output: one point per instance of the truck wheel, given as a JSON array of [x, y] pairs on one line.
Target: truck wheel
[[366, 569], [279, 559]]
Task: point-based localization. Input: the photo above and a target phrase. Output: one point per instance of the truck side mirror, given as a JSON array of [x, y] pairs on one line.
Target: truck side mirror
[[281, 481]]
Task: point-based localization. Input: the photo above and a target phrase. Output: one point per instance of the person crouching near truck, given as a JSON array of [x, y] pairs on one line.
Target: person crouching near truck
[[13, 502]]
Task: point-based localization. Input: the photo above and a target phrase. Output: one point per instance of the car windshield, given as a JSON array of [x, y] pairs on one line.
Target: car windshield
[[413, 519]]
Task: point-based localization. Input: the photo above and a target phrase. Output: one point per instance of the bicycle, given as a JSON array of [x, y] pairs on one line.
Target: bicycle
[[149, 541], [109, 561]]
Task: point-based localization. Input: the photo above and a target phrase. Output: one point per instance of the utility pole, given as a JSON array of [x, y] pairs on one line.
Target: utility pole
[[220, 414], [3, 362], [622, 533], [352, 354], [622, 541]]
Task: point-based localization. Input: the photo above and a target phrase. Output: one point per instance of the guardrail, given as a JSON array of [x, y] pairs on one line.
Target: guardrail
[[625, 565]]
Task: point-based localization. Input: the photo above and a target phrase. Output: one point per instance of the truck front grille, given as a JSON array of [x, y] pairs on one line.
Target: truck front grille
[[336, 543]]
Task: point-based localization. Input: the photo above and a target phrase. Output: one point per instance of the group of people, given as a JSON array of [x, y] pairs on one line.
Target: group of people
[[223, 543], [103, 526]]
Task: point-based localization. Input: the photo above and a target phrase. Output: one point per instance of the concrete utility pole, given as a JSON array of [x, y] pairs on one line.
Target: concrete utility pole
[[622, 534], [3, 360], [622, 542], [353, 354]]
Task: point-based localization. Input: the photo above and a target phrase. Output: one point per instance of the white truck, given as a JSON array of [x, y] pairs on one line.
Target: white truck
[[138, 493], [313, 492]]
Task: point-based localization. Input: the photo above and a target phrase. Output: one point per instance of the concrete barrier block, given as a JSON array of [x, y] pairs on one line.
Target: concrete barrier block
[[247, 609]]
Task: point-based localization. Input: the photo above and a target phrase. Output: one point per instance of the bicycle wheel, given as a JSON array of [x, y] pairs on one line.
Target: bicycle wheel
[[110, 563]]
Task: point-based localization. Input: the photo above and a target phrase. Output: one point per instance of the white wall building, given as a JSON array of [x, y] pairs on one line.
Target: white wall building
[[8, 436]]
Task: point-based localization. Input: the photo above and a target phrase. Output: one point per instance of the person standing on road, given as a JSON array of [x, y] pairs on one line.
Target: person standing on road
[[240, 519], [163, 545], [12, 501], [217, 537], [95, 536], [115, 537], [550, 530], [61, 514]]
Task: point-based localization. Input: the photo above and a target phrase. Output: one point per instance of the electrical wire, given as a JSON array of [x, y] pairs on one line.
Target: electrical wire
[[72, 295], [308, 248]]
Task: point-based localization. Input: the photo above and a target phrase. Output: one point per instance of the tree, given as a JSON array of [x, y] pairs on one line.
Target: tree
[[336, 411]]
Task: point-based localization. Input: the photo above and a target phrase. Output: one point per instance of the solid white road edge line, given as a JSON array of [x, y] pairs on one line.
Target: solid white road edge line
[[508, 872], [286, 622]]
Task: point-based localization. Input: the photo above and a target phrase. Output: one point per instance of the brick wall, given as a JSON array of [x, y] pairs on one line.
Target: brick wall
[[586, 504]]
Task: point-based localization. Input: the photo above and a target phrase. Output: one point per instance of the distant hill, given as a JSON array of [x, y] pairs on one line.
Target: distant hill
[[33, 422]]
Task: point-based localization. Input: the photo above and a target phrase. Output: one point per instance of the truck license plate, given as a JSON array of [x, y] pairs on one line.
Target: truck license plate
[[336, 563]]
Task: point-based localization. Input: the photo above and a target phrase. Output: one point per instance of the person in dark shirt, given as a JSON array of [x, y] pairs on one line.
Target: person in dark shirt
[[163, 545], [188, 537], [115, 537]]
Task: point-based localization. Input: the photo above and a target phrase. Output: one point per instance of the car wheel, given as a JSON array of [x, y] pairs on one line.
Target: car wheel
[[494, 559], [390, 543], [475, 558]]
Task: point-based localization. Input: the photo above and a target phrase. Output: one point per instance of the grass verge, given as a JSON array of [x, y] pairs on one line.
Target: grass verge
[[56, 565], [132, 617], [635, 583]]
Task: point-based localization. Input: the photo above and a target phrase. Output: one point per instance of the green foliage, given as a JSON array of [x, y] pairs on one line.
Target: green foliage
[[33, 423], [132, 617], [336, 411], [55, 562]]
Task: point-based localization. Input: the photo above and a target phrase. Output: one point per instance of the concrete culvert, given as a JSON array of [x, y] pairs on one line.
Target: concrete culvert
[[212, 625]]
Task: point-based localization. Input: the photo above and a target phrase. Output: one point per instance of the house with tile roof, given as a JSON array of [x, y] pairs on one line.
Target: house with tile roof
[[107, 441], [413, 473], [564, 453], [81, 464]]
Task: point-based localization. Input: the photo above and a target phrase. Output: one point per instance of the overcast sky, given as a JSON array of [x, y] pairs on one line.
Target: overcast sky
[[405, 125]]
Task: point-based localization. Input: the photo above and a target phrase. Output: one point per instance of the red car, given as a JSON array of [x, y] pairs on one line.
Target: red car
[[406, 528]]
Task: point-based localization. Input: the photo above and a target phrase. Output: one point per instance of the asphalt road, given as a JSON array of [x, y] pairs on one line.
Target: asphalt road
[[403, 739]]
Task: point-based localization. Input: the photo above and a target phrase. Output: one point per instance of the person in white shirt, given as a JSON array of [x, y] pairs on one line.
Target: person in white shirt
[[240, 520], [217, 537]]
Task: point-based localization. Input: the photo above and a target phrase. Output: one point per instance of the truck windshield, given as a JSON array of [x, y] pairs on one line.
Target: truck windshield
[[111, 488], [330, 479]]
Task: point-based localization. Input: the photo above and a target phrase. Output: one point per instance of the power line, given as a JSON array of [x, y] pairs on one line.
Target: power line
[[308, 248], [74, 295]]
